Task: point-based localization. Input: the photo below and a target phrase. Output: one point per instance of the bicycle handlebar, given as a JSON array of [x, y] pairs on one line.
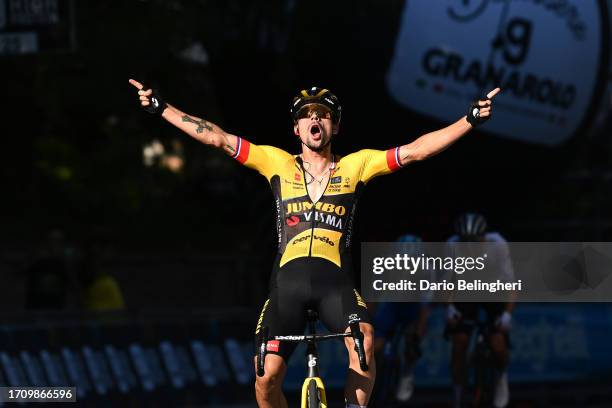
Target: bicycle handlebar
[[314, 337], [355, 333]]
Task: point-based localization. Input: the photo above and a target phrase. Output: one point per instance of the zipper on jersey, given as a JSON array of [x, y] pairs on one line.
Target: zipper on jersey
[[314, 203], [311, 229]]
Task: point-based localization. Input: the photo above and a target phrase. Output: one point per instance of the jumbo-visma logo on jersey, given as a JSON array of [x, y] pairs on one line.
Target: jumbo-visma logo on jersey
[[330, 212]]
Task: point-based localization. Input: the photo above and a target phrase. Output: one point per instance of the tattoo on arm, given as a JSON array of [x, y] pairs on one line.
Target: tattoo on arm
[[202, 124]]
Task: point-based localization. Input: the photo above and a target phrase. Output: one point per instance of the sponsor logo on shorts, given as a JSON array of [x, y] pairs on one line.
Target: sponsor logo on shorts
[[360, 301], [273, 346]]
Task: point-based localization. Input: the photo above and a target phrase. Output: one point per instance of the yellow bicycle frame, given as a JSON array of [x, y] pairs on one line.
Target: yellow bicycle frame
[[321, 388]]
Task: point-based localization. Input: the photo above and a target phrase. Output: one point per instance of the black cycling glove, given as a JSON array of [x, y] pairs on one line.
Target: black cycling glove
[[473, 115], [157, 104]]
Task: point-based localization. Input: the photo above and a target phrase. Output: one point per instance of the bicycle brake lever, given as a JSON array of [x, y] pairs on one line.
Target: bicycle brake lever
[[261, 352], [359, 347]]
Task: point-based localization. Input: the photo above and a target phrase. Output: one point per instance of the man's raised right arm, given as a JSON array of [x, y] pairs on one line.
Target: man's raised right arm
[[200, 129]]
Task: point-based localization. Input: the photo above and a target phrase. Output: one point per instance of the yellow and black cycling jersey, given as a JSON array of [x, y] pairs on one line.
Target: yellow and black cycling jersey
[[321, 229]]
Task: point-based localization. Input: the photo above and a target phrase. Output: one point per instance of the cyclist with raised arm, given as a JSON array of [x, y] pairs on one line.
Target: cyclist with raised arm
[[461, 317], [316, 194]]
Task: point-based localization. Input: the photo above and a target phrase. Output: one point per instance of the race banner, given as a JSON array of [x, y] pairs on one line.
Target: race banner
[[548, 57]]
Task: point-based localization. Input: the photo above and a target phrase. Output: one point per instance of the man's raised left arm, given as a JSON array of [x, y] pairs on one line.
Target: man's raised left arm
[[433, 143]]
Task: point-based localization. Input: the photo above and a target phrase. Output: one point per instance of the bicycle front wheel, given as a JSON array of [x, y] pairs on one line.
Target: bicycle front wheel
[[314, 400]]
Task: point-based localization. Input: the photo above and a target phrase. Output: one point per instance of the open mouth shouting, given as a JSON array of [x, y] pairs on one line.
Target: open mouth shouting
[[315, 131]]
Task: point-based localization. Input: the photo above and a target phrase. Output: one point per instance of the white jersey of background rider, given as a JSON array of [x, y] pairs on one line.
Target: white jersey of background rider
[[498, 255]]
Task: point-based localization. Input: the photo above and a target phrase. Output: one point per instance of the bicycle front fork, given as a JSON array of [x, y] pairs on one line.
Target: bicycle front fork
[[313, 392]]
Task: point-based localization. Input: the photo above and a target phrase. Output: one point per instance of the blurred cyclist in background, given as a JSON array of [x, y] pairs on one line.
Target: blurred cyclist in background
[[461, 317], [400, 327]]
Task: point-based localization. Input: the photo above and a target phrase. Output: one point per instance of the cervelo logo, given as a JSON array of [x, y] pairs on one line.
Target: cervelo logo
[[312, 362], [322, 239], [303, 206]]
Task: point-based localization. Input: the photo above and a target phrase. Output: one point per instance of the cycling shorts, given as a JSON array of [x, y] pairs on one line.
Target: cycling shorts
[[308, 283]]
